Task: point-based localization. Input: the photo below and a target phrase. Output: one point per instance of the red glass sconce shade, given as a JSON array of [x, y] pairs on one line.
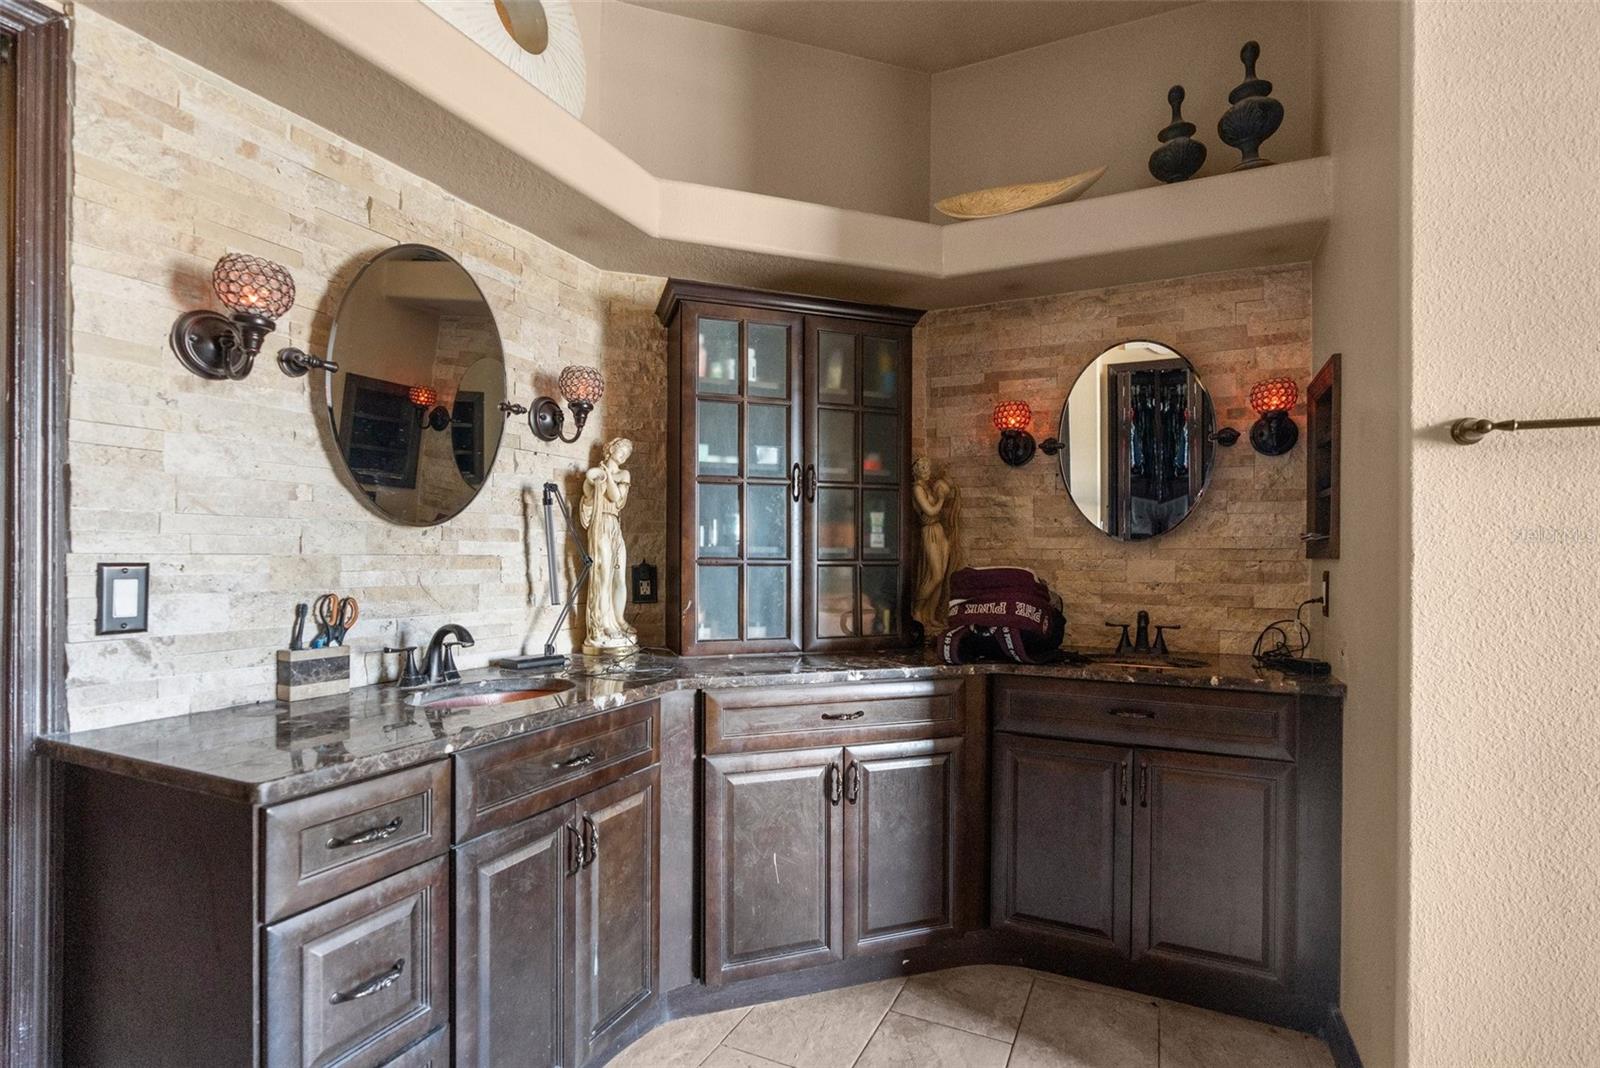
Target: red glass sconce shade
[[1274, 433], [1012, 419], [423, 396]]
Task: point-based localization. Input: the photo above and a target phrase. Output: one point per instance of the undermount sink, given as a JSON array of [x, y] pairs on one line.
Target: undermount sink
[[488, 692], [1139, 663]]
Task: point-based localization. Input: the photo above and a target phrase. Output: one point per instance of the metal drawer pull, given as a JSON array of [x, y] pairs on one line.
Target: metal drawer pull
[[834, 787], [574, 850], [594, 841], [582, 760], [371, 986], [1122, 783], [1131, 713], [835, 716], [368, 836], [852, 789], [1144, 786]]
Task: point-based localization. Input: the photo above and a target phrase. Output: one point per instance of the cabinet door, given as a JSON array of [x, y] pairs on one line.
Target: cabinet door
[[617, 914], [1062, 834], [856, 443], [773, 883], [738, 494], [514, 907], [1213, 859], [902, 865]]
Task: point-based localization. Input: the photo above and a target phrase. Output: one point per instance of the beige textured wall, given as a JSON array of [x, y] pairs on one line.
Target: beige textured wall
[[698, 102], [1100, 98], [1236, 563], [1504, 796], [229, 489], [1356, 287]]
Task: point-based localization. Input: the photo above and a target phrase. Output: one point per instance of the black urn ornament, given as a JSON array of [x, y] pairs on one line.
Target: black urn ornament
[[1254, 116], [1180, 155]]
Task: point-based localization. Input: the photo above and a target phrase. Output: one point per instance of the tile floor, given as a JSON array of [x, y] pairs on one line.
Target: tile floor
[[978, 1017]]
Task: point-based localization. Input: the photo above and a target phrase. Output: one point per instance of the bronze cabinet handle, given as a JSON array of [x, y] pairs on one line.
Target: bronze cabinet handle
[[368, 836], [811, 482], [1122, 783], [371, 986], [1131, 713], [574, 850], [838, 716], [592, 834], [1144, 786], [852, 789], [833, 784], [794, 481], [582, 760]]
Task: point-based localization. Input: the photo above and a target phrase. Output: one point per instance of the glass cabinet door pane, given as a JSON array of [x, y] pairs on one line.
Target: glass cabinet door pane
[[717, 600], [767, 440], [836, 524], [836, 601], [767, 608], [717, 437], [836, 367], [717, 370], [880, 448], [880, 371], [880, 608], [836, 446], [718, 513], [767, 350], [880, 524], [768, 533]]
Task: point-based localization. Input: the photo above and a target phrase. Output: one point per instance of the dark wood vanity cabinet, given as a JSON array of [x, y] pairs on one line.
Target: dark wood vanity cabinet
[[848, 846], [788, 471], [1185, 849]]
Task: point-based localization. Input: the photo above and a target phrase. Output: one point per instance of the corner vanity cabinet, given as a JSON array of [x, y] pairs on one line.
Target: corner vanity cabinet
[[788, 473], [1178, 840]]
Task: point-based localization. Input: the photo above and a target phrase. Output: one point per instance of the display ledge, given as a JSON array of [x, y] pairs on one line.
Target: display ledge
[[394, 86], [270, 752]]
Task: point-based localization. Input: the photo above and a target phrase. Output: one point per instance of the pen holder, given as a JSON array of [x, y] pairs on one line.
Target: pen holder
[[307, 673]]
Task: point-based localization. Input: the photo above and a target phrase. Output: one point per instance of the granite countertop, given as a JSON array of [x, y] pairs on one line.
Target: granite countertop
[[270, 752]]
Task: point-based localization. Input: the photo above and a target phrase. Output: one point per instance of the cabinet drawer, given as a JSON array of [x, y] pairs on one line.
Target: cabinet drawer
[[794, 717], [1214, 721], [328, 844], [355, 981], [498, 784]]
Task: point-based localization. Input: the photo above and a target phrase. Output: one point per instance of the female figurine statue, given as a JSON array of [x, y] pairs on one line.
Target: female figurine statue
[[605, 492], [938, 508]]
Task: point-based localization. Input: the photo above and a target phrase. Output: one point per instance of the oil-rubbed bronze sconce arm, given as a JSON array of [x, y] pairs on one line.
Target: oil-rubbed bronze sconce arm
[[258, 292], [296, 362]]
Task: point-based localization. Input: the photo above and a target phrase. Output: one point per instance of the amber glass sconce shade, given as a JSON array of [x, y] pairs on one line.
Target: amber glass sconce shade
[[1012, 419], [581, 387], [257, 292], [1274, 433]]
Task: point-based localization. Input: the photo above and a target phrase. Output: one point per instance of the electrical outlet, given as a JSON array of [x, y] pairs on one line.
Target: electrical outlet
[[1326, 586]]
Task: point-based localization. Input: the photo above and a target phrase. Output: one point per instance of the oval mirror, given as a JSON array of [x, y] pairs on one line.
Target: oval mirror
[[1136, 440], [415, 405]]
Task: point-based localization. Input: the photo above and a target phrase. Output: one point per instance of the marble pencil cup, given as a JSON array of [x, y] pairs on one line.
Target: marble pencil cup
[[308, 673]]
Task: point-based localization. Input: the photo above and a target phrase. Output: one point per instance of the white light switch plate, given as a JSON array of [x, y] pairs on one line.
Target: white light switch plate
[[124, 599]]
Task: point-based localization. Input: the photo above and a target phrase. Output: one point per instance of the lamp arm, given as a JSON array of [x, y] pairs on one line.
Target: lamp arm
[[553, 495]]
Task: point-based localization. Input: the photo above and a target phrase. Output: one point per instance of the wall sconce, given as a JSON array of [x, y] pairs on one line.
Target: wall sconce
[[581, 386], [1274, 433], [432, 414], [1012, 419], [257, 292]]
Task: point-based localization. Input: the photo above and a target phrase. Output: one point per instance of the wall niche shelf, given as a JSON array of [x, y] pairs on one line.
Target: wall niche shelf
[[1322, 463]]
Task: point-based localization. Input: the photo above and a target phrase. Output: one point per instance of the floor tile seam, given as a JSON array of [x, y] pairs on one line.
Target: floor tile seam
[[879, 1025], [968, 1030], [1033, 982]]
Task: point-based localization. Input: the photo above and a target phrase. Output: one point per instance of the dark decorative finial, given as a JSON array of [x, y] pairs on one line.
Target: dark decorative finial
[[1179, 156], [1254, 116]]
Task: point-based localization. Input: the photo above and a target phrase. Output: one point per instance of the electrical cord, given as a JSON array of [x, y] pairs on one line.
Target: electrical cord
[[1283, 646]]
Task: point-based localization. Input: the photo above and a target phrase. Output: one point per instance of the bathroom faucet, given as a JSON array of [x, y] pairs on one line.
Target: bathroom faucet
[[439, 663], [1139, 644]]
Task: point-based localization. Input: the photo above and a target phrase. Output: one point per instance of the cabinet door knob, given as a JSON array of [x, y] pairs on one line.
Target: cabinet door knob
[[852, 789], [811, 482], [794, 481], [592, 838], [574, 850], [1144, 786], [834, 786], [1122, 783]]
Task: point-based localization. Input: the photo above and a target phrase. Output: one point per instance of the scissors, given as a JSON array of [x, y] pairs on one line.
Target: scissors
[[335, 616]]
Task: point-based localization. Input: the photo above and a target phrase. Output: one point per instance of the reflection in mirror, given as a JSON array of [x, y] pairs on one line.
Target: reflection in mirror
[[1137, 452], [415, 406]]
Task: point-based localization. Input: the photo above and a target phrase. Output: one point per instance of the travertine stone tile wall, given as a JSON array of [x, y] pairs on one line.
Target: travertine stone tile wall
[[1237, 563], [230, 490]]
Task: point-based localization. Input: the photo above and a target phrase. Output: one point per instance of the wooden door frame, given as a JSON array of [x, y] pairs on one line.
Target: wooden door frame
[[32, 700]]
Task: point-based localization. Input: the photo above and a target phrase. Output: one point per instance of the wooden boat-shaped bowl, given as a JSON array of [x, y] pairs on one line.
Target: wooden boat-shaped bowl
[[1005, 199]]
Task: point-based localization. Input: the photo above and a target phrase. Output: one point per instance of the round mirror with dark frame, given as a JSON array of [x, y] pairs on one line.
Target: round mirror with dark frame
[[1137, 448], [415, 405]]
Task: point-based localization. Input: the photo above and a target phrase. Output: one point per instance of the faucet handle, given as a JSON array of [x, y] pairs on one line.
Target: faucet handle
[[410, 674], [1124, 643], [1161, 637]]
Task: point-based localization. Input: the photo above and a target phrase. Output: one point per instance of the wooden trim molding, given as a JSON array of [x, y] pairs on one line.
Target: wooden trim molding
[[678, 290], [33, 633]]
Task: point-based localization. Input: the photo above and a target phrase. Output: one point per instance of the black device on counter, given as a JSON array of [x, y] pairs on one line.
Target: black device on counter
[[1298, 665], [530, 663]]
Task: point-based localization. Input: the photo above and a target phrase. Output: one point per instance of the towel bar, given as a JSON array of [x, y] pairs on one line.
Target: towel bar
[[1472, 431]]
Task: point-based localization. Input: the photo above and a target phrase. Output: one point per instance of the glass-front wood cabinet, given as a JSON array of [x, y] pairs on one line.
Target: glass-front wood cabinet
[[788, 426]]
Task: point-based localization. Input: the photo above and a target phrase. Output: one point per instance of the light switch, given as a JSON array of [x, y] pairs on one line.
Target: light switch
[[124, 598]]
